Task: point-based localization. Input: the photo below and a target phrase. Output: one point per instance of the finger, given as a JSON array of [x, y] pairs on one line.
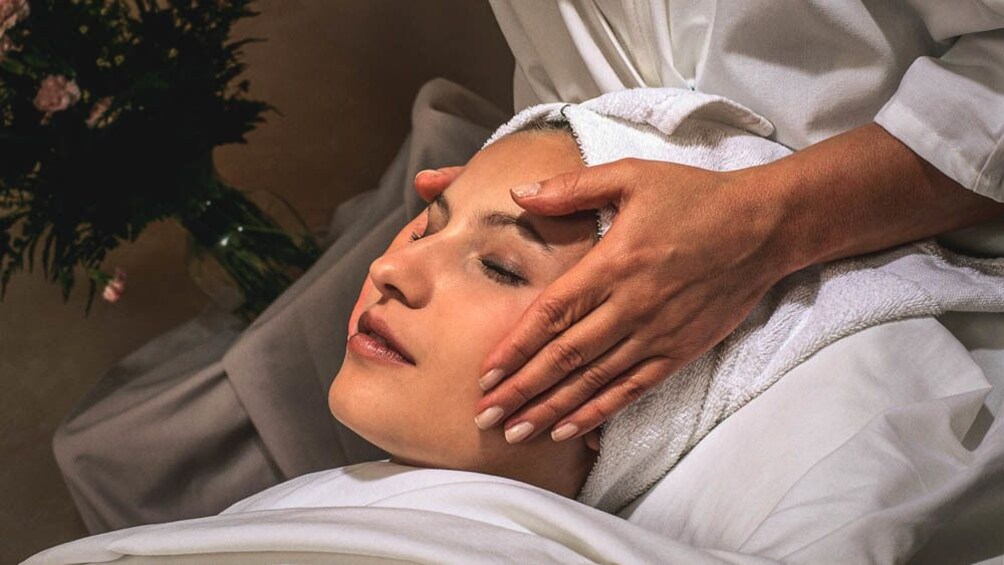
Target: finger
[[584, 342], [584, 189], [579, 387], [619, 394], [430, 183], [565, 301]]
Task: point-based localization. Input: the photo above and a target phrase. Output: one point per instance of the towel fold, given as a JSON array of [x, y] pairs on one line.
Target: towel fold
[[800, 315]]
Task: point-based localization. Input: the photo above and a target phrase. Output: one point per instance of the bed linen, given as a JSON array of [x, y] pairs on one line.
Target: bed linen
[[863, 453]]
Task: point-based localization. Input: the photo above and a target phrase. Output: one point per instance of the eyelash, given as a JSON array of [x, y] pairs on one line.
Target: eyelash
[[492, 269]]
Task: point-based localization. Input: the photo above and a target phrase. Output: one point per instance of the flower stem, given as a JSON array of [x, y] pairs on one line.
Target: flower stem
[[254, 251]]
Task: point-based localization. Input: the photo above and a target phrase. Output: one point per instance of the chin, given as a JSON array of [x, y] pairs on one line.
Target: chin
[[347, 406], [399, 422], [365, 409]]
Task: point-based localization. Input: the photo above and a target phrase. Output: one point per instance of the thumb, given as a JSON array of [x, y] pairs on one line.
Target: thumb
[[585, 189], [430, 183]]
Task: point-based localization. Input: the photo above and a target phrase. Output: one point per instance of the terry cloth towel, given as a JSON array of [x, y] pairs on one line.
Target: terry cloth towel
[[800, 315]]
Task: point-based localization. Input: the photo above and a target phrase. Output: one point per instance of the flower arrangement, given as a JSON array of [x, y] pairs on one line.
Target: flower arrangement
[[109, 111]]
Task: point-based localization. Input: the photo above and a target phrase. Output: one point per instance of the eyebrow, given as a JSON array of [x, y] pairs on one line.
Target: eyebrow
[[499, 219]]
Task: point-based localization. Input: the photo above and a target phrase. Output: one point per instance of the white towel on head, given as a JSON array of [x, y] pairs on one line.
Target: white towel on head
[[666, 124], [800, 315]]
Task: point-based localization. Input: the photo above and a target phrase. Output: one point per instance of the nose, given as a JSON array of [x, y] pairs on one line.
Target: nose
[[402, 275]]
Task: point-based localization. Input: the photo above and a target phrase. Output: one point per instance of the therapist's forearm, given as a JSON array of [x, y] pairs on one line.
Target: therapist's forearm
[[858, 192]]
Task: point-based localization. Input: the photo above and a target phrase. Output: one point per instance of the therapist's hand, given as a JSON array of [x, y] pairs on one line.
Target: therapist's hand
[[684, 262], [431, 182], [688, 256]]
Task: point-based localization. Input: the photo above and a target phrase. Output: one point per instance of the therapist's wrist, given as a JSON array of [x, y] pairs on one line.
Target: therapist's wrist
[[771, 200], [859, 192]]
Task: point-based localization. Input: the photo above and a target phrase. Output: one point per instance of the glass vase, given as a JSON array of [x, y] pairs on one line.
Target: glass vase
[[245, 248]]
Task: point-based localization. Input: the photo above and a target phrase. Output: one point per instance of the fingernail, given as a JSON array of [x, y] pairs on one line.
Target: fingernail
[[490, 379], [518, 432], [489, 417], [564, 431], [433, 172], [524, 190]]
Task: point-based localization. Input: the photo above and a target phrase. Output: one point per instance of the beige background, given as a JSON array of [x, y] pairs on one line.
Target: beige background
[[343, 74]]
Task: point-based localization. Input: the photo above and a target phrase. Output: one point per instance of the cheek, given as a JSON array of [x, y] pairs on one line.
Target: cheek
[[471, 324], [427, 418]]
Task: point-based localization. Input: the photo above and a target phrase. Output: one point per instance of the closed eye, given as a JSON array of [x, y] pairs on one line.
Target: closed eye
[[501, 274], [495, 270]]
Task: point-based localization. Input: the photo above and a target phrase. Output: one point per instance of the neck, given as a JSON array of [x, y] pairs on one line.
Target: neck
[[562, 471]]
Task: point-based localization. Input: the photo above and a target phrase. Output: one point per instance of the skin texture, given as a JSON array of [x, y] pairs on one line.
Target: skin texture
[[690, 253], [447, 309]]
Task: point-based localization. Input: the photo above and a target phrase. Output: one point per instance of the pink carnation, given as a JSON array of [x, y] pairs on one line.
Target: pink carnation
[[95, 119], [11, 12], [56, 93], [115, 287]]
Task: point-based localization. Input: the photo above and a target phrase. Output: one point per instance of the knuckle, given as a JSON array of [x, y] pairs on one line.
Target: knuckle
[[565, 356], [595, 376], [553, 314], [633, 165], [545, 413], [646, 317], [520, 392], [599, 412], [523, 351], [633, 389], [569, 182]]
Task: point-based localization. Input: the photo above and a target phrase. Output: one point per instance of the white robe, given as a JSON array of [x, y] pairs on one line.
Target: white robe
[[931, 72]]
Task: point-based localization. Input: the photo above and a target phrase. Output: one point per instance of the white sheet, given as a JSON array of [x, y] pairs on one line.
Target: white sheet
[[854, 456], [418, 515]]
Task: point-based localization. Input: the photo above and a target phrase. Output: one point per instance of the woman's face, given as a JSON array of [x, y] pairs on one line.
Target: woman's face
[[449, 288]]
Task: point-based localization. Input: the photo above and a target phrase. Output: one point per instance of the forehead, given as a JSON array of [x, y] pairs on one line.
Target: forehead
[[520, 158]]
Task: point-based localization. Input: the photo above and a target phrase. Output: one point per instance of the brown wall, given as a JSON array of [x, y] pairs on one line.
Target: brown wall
[[343, 73]]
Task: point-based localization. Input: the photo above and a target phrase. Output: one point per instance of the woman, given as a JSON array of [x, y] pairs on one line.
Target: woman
[[449, 286]]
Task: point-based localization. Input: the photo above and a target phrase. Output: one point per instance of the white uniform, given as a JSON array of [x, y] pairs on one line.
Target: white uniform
[[931, 72]]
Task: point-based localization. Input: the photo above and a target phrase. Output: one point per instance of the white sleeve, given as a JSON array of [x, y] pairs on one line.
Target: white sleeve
[[950, 110]]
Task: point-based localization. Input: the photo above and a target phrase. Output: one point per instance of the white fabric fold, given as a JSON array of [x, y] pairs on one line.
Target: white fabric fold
[[802, 314], [382, 512]]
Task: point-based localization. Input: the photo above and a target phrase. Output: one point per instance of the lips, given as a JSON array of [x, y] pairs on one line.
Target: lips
[[374, 326]]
